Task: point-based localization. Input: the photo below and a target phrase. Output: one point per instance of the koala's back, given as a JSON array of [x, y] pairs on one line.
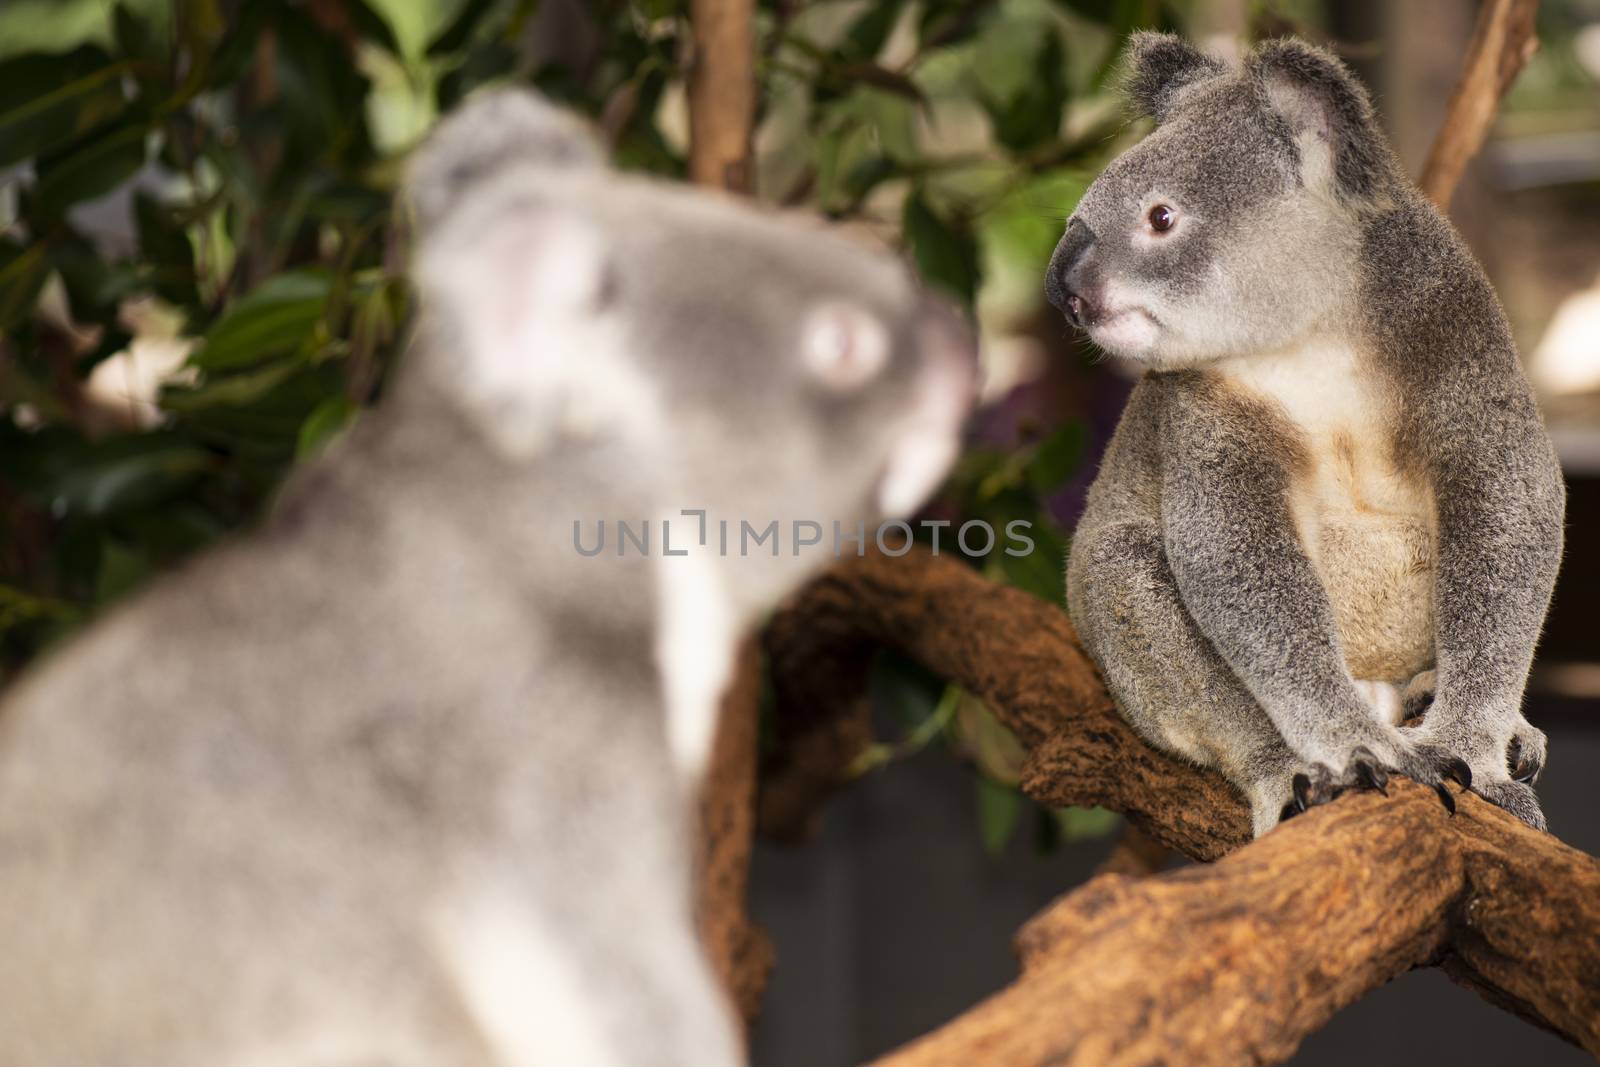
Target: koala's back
[[258, 817]]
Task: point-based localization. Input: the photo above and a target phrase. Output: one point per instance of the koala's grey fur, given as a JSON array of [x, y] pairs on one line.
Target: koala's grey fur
[[1331, 493], [388, 781]]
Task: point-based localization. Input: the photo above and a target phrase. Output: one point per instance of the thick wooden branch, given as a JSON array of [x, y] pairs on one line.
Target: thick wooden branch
[[1016, 653], [1236, 961], [740, 951], [1503, 41]]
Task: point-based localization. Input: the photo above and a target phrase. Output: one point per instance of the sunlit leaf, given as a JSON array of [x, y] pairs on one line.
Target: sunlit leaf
[[278, 316]]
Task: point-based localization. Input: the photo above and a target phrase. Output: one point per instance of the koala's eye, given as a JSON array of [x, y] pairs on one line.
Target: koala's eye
[[844, 346], [1162, 218]]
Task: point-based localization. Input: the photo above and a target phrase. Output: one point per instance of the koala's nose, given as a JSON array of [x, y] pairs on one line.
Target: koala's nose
[[1067, 281]]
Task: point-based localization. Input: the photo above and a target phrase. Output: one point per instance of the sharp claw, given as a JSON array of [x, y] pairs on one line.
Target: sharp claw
[[1444, 795], [1302, 791], [1527, 772], [1289, 811], [1461, 772], [1372, 776]]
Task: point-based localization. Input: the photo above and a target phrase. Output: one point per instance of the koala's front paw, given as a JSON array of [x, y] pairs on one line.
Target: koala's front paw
[[1369, 766], [1501, 771], [1317, 783]]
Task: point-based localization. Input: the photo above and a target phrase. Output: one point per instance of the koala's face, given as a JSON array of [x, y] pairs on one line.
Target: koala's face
[[1228, 230], [804, 377], [764, 369]]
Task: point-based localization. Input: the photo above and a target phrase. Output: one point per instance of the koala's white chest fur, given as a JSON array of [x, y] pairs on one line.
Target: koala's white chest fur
[[1366, 525]]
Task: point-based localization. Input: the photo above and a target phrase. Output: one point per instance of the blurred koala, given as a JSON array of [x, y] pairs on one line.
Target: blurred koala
[[1331, 498], [389, 781]]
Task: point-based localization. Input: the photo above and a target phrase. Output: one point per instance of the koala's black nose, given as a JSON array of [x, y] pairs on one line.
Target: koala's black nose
[[1065, 284]]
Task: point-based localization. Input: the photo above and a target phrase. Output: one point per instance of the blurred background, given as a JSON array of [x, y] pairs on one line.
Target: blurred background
[[202, 282]]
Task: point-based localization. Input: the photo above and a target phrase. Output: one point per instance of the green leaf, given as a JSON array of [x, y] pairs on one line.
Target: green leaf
[[1041, 572], [122, 569], [276, 317], [454, 37], [1058, 457], [47, 100], [164, 246], [946, 252], [1077, 824], [323, 425], [1028, 111], [22, 274], [999, 810], [867, 34], [944, 23], [97, 163], [126, 474], [236, 390]]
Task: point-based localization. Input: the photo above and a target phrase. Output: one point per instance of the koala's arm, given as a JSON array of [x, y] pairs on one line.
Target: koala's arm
[[1245, 579], [1499, 506]]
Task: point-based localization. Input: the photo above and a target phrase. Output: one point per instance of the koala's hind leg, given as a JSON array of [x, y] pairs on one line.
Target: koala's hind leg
[[1166, 678]]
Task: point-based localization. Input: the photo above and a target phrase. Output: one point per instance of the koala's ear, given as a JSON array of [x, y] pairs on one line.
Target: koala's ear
[[1157, 65], [1328, 114], [494, 130], [506, 287]]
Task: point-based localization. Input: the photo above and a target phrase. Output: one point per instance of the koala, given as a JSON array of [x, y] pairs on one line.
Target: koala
[[402, 778], [1331, 500]]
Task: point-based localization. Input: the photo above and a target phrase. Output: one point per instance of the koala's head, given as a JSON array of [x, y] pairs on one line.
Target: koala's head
[[1234, 226], [765, 368]]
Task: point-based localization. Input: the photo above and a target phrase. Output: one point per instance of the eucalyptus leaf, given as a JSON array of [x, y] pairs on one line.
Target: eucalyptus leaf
[[945, 250], [92, 166], [999, 813], [47, 100], [278, 316]]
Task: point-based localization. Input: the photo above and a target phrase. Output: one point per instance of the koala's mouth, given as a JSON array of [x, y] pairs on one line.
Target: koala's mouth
[[1129, 331]]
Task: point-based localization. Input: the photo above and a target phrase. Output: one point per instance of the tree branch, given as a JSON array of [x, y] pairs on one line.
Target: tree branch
[[740, 951], [722, 94], [1503, 41], [1237, 961]]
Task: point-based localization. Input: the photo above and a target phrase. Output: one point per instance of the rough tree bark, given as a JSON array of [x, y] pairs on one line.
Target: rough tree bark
[[739, 949], [722, 92], [1227, 963]]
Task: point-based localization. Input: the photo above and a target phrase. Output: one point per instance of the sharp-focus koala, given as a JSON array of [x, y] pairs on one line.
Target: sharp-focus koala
[[1331, 496], [389, 781]]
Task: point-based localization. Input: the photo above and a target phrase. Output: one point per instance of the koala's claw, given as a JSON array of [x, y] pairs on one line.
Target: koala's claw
[[1372, 775], [1523, 764], [1444, 795], [1301, 786], [1457, 768]]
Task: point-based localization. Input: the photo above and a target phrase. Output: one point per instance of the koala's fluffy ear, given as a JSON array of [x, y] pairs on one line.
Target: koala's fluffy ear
[[512, 282], [1157, 65], [493, 130], [1328, 114]]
